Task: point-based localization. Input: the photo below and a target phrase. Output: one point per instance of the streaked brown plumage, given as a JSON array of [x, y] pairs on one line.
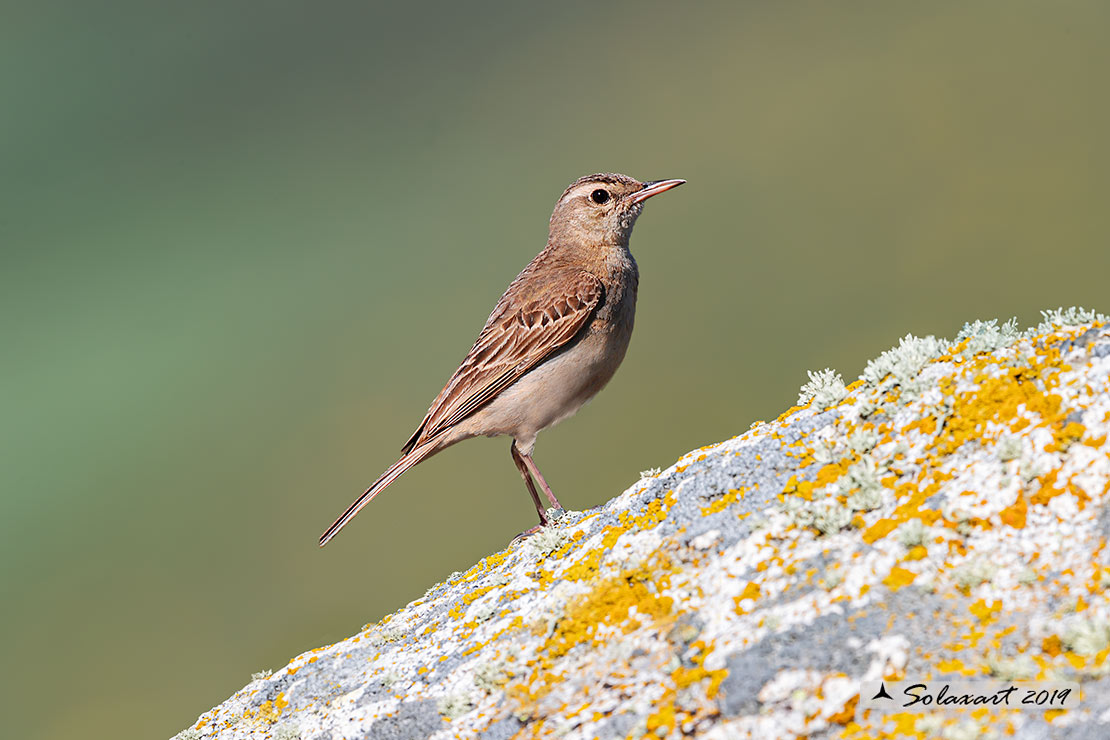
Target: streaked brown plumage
[[553, 340]]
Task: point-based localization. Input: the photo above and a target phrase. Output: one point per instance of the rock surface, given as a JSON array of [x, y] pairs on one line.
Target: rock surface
[[945, 516]]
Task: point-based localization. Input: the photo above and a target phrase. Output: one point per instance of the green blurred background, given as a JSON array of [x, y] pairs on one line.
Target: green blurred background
[[244, 245]]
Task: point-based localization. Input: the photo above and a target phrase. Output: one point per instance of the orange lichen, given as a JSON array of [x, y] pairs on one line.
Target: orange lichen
[[611, 602], [847, 713], [879, 529], [733, 495], [684, 677], [1015, 514], [898, 578], [1066, 436], [663, 717], [955, 665], [925, 425], [983, 611], [652, 515], [917, 552], [467, 599], [269, 711]]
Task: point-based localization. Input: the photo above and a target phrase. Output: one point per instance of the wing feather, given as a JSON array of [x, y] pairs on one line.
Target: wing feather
[[513, 341]]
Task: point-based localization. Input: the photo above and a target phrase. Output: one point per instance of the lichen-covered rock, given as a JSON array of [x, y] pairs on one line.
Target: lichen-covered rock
[[946, 515]]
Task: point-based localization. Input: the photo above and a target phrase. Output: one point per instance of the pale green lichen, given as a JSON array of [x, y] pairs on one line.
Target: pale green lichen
[[974, 573], [863, 477], [491, 676], [954, 511], [650, 473], [1009, 448], [189, 734], [1087, 636], [967, 729], [825, 388], [862, 440], [286, 731], [987, 336], [1059, 318], [482, 612], [913, 533], [867, 408], [832, 579], [389, 677], [455, 705], [385, 635], [545, 542], [825, 452], [1019, 668], [929, 725], [260, 675], [826, 515], [865, 499], [902, 364]]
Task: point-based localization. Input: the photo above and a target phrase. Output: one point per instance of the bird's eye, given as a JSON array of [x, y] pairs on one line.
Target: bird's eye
[[600, 196]]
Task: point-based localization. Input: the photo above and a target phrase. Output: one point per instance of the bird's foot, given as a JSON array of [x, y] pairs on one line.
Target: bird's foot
[[547, 519], [526, 534]]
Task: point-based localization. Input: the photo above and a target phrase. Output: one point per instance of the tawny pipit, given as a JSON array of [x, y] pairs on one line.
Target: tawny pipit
[[553, 340]]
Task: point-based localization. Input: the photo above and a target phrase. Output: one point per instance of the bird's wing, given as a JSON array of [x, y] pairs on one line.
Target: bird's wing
[[515, 339]]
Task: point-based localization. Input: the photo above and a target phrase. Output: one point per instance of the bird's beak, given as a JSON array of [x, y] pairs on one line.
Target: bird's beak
[[654, 188]]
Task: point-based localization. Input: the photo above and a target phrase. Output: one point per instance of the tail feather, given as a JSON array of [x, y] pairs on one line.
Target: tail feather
[[393, 473]]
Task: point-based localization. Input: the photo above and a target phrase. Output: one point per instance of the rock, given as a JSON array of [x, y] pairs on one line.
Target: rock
[[944, 516]]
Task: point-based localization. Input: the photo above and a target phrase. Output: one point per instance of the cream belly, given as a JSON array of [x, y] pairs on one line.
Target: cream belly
[[551, 392]]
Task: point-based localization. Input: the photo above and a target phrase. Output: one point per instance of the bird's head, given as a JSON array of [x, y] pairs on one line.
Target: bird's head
[[601, 209]]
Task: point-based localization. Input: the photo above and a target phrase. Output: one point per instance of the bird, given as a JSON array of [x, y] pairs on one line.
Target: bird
[[554, 339]]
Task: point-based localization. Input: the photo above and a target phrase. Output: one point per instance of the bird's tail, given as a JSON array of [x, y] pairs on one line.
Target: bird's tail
[[393, 473]]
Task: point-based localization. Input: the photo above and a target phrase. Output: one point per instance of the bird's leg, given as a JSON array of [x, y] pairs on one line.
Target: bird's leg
[[543, 483], [522, 467]]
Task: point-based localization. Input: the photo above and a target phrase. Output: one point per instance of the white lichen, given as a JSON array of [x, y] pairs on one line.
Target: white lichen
[[261, 675]]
